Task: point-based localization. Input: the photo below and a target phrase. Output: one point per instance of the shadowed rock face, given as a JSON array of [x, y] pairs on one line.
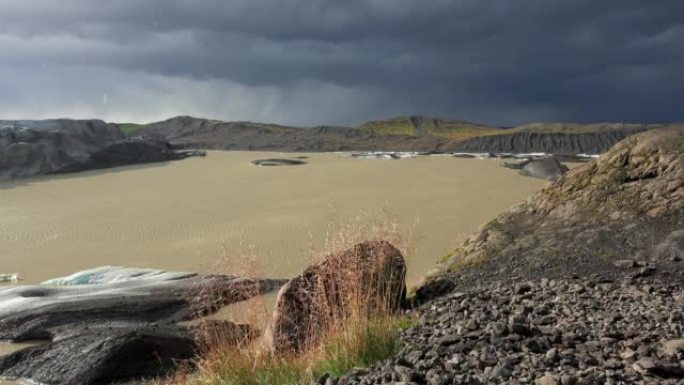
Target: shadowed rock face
[[547, 142], [102, 355], [30, 148], [310, 302], [112, 354], [110, 324], [622, 205], [126, 153]]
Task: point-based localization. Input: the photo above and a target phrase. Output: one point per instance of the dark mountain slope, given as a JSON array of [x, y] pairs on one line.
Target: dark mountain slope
[[188, 132], [29, 148]]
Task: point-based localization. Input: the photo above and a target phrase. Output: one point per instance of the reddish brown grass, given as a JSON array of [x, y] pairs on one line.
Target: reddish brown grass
[[356, 325]]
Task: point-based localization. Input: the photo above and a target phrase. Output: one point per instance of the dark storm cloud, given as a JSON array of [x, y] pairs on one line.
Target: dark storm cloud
[[306, 62]]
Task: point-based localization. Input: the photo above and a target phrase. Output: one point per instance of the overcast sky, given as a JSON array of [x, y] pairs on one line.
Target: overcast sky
[[309, 62]]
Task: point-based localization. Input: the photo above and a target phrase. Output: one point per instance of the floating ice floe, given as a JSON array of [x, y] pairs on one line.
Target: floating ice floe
[[383, 154], [9, 277], [513, 155], [478, 155]]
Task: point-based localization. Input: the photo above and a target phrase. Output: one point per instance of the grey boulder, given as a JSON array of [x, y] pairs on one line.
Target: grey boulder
[[545, 168], [309, 303]]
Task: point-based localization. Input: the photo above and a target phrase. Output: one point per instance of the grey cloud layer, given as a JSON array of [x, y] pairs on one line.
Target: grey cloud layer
[[307, 62]]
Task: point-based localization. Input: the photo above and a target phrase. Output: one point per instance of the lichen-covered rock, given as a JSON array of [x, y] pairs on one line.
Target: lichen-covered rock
[[643, 174], [627, 204], [366, 277]]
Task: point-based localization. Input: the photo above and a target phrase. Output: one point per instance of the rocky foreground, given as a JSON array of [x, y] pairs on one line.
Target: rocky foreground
[[569, 331]]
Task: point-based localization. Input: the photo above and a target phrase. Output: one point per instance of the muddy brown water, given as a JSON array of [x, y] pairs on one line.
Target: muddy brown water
[[188, 214], [185, 215]]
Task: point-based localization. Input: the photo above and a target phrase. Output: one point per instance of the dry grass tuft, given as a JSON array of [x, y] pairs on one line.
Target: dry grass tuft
[[357, 322]]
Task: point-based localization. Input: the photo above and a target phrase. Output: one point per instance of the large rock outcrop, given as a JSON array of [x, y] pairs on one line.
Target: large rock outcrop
[[622, 205], [112, 324], [367, 277]]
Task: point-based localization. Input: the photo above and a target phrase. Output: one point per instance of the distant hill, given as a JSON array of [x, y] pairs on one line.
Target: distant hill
[[404, 133], [37, 147], [428, 126], [579, 128]]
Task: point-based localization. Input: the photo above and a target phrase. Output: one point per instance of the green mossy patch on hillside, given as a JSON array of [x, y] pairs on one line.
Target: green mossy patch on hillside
[[129, 128], [390, 127]]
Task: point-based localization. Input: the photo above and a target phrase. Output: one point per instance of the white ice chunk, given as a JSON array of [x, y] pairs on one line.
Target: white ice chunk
[[9, 277], [115, 274]]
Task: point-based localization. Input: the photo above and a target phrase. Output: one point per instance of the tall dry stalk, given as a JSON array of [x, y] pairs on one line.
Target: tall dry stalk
[[354, 315], [359, 274], [377, 225], [217, 336]]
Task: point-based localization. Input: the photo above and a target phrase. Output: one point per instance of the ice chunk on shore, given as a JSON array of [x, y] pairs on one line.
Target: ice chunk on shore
[[9, 277], [118, 296], [116, 274], [95, 287]]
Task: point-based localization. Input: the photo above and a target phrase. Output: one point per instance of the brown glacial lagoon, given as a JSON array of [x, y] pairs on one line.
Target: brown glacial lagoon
[[185, 215]]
